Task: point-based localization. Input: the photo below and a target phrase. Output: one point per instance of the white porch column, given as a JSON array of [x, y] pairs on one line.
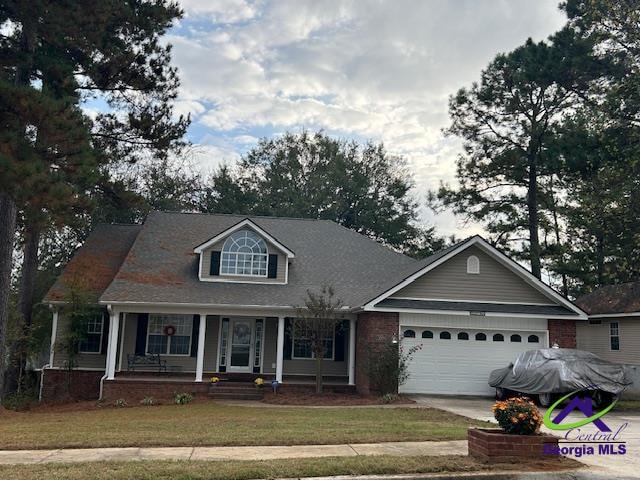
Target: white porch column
[[352, 351], [280, 350], [54, 332], [201, 337], [112, 345]]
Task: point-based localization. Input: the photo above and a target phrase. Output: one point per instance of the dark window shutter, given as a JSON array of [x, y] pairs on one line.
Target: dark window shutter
[[272, 270], [105, 334], [141, 333], [214, 267], [195, 333], [342, 328], [287, 338]]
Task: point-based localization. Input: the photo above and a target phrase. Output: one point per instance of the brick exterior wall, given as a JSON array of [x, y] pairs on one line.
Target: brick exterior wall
[[562, 332], [492, 445], [372, 328], [135, 390], [63, 386]]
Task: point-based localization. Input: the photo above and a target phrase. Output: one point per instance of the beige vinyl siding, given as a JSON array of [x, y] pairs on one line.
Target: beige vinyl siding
[[299, 367], [94, 361], [176, 363], [494, 283], [271, 249], [595, 339]]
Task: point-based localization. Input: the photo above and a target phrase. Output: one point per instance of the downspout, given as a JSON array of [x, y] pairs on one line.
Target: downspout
[[46, 365], [106, 365]]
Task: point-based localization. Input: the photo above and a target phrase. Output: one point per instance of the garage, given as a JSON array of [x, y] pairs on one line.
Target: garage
[[458, 360]]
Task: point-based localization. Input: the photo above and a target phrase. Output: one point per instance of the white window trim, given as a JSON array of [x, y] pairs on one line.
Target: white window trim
[[313, 356], [146, 348], [473, 265], [253, 255], [618, 336], [99, 352]]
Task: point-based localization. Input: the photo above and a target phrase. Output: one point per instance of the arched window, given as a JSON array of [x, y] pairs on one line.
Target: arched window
[[427, 334], [498, 337], [473, 264], [533, 339], [516, 338], [409, 334], [244, 253], [481, 337], [445, 336], [463, 336]]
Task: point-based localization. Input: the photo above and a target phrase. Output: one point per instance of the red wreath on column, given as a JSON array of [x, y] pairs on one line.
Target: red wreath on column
[[169, 330]]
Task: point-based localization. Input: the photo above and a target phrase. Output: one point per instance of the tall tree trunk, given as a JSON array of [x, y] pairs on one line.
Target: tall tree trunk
[[8, 212], [600, 259], [532, 207], [29, 272], [18, 360], [556, 230]]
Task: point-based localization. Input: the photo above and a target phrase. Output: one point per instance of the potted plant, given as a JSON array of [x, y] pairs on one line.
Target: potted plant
[[259, 382], [518, 436], [214, 380]]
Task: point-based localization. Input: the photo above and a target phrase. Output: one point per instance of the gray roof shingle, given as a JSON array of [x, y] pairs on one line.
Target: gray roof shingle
[[161, 266], [95, 263], [621, 298]]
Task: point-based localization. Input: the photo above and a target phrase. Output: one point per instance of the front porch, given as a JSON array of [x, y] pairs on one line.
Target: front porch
[[233, 346], [135, 386]]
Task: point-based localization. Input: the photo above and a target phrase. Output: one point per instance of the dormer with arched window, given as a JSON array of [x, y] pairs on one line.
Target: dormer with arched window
[[244, 253]]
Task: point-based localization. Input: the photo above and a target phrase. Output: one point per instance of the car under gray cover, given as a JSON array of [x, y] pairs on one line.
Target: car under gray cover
[[560, 370]]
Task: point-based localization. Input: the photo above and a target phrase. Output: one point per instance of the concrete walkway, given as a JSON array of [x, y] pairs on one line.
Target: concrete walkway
[[457, 447]]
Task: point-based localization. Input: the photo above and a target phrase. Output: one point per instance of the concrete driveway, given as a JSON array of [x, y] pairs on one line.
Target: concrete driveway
[[627, 465]]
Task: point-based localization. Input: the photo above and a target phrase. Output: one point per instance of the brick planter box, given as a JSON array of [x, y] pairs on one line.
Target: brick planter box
[[493, 445]]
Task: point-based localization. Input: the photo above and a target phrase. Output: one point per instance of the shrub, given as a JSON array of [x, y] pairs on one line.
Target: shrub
[[121, 402], [148, 401], [389, 398], [21, 400], [518, 415], [182, 398], [388, 366]]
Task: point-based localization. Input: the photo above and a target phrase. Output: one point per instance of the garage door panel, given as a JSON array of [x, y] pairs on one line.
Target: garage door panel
[[461, 366]]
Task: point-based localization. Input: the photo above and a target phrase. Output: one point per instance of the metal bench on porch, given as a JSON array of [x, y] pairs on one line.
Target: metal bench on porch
[[153, 360]]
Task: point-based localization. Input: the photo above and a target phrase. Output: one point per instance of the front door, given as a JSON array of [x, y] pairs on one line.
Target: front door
[[241, 340]]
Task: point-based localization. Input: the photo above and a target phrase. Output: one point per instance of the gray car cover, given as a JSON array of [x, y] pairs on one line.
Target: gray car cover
[[560, 370]]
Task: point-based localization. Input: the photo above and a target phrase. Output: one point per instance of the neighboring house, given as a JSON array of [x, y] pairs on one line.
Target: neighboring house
[[613, 329], [214, 294]]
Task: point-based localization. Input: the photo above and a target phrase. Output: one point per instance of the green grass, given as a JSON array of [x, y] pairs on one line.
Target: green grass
[[627, 406], [289, 468], [210, 423]]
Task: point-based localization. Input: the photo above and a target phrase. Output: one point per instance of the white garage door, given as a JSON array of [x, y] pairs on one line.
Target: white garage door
[[458, 361]]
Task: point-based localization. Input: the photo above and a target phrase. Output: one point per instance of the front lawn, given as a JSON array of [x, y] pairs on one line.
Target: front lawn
[[290, 468], [210, 423], [632, 405]]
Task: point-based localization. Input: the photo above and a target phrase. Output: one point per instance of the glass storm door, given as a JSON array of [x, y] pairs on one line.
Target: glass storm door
[[241, 334]]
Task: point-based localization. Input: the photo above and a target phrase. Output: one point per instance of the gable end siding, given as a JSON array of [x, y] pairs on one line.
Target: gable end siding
[[494, 283]]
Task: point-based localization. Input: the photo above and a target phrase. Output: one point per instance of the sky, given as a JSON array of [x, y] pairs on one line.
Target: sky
[[361, 69]]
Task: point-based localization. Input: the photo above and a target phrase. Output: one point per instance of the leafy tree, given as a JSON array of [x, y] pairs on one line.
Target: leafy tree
[[319, 319], [55, 55], [509, 122], [315, 176]]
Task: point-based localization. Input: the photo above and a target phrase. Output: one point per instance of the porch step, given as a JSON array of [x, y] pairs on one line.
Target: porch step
[[235, 391], [235, 396]]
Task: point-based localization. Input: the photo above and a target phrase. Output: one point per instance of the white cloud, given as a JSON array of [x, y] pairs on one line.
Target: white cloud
[[378, 70]]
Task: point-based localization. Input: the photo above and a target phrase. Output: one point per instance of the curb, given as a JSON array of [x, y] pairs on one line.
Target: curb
[[579, 474]]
